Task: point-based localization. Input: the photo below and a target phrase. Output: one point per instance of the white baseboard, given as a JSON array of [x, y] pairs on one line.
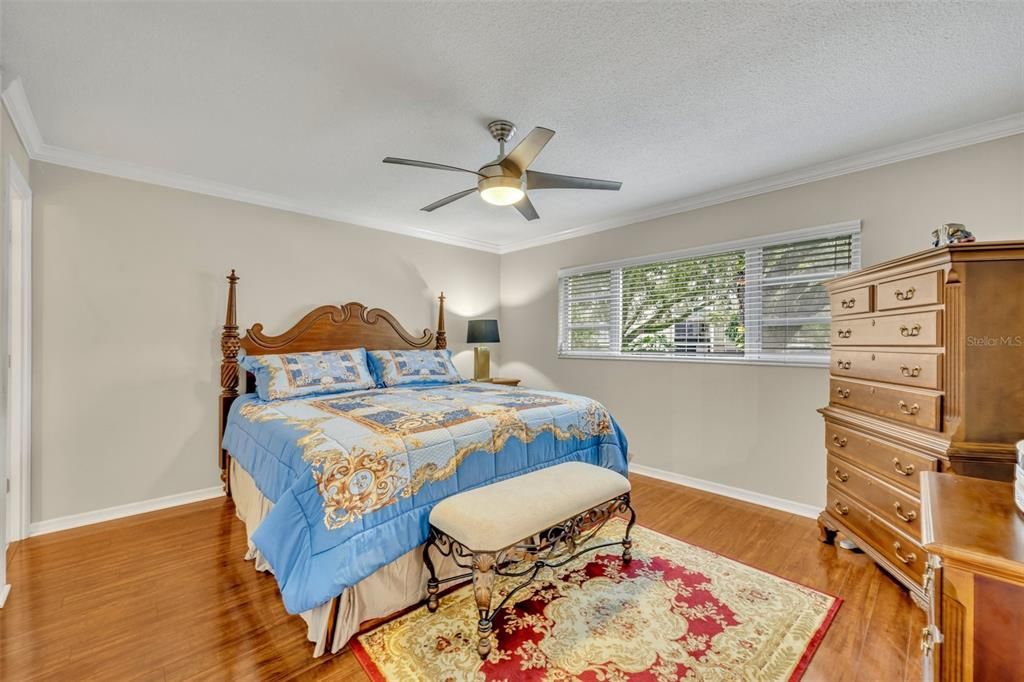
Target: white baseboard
[[143, 506], [121, 511], [798, 508], [4, 591]]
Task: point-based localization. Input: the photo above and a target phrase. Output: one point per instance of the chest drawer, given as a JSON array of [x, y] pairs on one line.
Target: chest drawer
[[892, 462], [851, 302], [909, 369], [924, 289], [916, 407], [905, 329], [905, 554], [900, 509]]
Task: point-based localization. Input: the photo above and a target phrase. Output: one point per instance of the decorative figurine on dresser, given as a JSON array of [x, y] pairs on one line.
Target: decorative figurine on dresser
[[927, 374]]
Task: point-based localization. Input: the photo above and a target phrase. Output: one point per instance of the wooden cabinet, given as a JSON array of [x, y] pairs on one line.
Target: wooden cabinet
[[927, 375], [974, 580]]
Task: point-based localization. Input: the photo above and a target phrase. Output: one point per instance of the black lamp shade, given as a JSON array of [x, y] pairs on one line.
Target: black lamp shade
[[482, 331]]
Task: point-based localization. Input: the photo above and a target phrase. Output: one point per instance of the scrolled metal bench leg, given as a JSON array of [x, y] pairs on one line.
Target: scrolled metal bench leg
[[627, 542], [432, 583], [483, 584]]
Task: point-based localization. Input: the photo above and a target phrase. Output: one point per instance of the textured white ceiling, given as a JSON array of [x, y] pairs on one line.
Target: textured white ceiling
[[302, 100]]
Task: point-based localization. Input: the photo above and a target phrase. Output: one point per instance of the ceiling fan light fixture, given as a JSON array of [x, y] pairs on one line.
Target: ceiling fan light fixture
[[505, 181], [501, 190]]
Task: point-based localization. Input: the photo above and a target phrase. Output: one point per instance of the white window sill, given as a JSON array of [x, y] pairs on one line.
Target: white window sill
[[821, 363]]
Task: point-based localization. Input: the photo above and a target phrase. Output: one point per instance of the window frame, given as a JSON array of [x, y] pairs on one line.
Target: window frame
[[752, 293]]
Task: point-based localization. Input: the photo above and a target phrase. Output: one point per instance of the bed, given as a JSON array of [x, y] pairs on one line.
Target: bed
[[335, 490]]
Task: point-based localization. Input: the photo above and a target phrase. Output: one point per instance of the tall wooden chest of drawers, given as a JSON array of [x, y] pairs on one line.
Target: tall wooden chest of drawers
[[927, 374]]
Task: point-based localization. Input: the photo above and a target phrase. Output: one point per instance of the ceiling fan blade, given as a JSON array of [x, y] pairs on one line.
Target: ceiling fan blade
[[427, 164], [528, 148], [538, 180], [525, 207], [447, 200]]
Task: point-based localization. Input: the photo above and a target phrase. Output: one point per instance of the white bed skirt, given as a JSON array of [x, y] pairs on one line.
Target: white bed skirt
[[392, 588]]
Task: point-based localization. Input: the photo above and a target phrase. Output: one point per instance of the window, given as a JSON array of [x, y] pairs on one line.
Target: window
[[757, 300]]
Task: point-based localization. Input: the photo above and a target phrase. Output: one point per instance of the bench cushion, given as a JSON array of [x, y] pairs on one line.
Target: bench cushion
[[497, 516]]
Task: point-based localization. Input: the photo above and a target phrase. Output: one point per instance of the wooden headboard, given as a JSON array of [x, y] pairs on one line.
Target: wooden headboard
[[329, 327]]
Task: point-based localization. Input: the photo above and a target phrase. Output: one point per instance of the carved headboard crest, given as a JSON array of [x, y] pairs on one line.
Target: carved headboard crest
[[332, 327]]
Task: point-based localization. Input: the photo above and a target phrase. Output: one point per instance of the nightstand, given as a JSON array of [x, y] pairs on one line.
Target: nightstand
[[500, 380]]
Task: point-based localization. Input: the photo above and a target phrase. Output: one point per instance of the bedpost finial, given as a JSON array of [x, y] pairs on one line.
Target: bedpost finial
[[440, 338], [229, 317]]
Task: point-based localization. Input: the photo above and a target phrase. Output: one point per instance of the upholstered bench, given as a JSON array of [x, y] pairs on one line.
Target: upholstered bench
[[518, 526]]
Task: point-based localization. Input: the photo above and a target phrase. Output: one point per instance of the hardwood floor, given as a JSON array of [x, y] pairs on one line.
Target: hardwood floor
[[167, 596]]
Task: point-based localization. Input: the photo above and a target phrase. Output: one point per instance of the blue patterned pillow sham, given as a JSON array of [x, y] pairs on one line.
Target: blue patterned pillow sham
[[406, 367], [291, 375]]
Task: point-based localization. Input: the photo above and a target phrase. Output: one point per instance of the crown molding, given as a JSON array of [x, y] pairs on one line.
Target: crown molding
[[933, 144], [24, 122], [152, 176], [21, 115]]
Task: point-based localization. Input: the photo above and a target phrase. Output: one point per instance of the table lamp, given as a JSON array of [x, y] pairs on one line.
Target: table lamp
[[481, 332]]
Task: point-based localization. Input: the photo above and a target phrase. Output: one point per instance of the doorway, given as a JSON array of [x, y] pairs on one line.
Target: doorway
[[16, 366]]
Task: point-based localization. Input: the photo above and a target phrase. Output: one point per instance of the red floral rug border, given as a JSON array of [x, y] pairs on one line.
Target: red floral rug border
[[819, 636], [370, 668]]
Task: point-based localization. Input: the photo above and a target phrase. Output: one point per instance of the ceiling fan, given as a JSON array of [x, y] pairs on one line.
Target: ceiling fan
[[505, 181]]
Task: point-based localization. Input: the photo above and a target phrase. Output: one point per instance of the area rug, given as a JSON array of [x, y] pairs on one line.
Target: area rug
[[675, 612]]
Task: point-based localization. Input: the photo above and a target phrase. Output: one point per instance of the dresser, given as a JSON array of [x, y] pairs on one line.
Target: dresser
[[927, 374], [974, 580]]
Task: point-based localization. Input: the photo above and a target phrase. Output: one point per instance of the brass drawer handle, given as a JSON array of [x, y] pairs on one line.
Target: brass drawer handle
[[905, 470], [905, 295], [844, 365], [908, 517], [840, 442], [898, 549], [910, 331], [911, 410], [844, 333], [843, 478], [907, 372], [849, 302], [843, 392], [841, 508]]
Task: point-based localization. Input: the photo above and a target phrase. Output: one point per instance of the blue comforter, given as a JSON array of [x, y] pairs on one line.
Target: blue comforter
[[353, 476]]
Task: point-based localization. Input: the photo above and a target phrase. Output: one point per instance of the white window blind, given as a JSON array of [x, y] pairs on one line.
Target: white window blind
[[755, 300]]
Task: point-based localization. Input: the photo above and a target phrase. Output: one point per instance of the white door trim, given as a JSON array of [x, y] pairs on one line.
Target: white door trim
[[20, 346]]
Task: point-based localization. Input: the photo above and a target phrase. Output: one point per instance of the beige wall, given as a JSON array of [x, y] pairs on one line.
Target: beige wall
[[129, 297], [751, 427], [129, 294]]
